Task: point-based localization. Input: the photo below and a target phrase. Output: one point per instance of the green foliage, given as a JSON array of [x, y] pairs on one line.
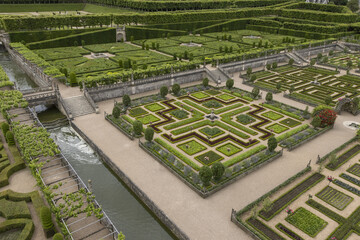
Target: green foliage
[[205, 82], [218, 170], [249, 71], [328, 100], [4, 79], [164, 91], [5, 128], [116, 112], [353, 5], [269, 97], [272, 144], [318, 109], [72, 80], [121, 236], [126, 100], [291, 61], [205, 175], [58, 236], [175, 89], [45, 217], [255, 92], [10, 138], [229, 83], [312, 62], [278, 85], [274, 65], [138, 127], [149, 134]]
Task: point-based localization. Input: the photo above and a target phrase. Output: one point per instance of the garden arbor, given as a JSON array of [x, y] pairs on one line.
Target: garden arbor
[[348, 105]]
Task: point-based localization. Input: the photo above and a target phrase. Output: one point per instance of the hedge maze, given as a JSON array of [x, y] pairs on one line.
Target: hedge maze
[[342, 60], [310, 85], [314, 198]]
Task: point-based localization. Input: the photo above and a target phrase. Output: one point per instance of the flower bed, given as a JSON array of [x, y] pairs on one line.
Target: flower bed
[[191, 147], [344, 158], [228, 149], [334, 198], [272, 115]]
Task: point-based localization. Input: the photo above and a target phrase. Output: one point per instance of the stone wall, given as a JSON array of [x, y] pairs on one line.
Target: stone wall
[[134, 188], [144, 85], [314, 51]]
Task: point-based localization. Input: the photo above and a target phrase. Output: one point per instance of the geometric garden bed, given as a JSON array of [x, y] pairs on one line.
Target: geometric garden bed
[[186, 139]]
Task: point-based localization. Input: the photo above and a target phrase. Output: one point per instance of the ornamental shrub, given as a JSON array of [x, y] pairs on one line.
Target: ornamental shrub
[[253, 78], [316, 122], [72, 80], [269, 97], [328, 100], [138, 127], [327, 116], [175, 89], [278, 86], [10, 138], [205, 175], [46, 221], [149, 134], [58, 236], [218, 170], [272, 144], [291, 61], [229, 83], [255, 92], [274, 65], [116, 112], [268, 66], [5, 127], [126, 100], [205, 82], [164, 91], [319, 108], [249, 71]]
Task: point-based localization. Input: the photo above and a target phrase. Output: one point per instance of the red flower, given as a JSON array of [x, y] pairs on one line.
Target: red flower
[[327, 116]]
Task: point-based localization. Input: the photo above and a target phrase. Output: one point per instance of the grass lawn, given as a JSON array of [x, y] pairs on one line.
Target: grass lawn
[[245, 119], [147, 119], [225, 97], [212, 104], [290, 122], [277, 128], [228, 149], [137, 112], [306, 221], [211, 132], [9, 8], [212, 92], [200, 95], [191, 147], [179, 113], [272, 115], [209, 158], [154, 107]]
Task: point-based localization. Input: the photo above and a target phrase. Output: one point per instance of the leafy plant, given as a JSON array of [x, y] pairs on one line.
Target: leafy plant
[[205, 175]]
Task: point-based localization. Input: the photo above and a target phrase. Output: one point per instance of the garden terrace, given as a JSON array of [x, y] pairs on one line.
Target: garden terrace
[[341, 60], [185, 140], [304, 90], [322, 211]]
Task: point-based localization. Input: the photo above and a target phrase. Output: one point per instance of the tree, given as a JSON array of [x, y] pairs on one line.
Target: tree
[[205, 175], [353, 5], [255, 92], [126, 100], [149, 134], [316, 122], [138, 127], [268, 66], [272, 143], [291, 89], [249, 71], [267, 204], [164, 91], [73, 81], [5, 127], [312, 62], [205, 82], [278, 85], [46, 221], [269, 97], [328, 100], [229, 83], [319, 56], [10, 138], [291, 61], [175, 89], [218, 170], [349, 64], [82, 42], [116, 112], [253, 78], [274, 65]]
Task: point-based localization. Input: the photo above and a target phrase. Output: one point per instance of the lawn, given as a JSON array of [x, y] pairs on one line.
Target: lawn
[[272, 115], [137, 112], [147, 119], [212, 104], [277, 128], [228, 149], [306, 221], [245, 119], [212, 92], [211, 132], [225, 97], [200, 95], [111, 47], [179, 113], [154, 107], [191, 147], [61, 53], [209, 158], [92, 8], [290, 122]]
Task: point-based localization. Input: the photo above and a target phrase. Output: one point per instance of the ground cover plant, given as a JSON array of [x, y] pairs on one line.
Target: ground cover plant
[[334, 197], [187, 138], [306, 221]]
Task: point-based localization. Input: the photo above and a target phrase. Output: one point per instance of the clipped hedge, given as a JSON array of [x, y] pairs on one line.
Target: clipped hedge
[[37, 36], [147, 33], [26, 225], [244, 155], [95, 37], [12, 168]]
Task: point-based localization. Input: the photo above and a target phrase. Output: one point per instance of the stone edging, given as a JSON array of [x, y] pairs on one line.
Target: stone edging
[[309, 139], [134, 188], [241, 226], [211, 192]]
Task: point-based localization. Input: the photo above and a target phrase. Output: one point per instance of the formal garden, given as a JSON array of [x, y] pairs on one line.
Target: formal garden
[[343, 60], [199, 129], [310, 85], [317, 203]]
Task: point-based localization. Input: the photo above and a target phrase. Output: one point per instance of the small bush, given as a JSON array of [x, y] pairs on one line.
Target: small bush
[[149, 134], [58, 236], [126, 100], [10, 138], [272, 144], [229, 83], [72, 80], [205, 175], [46, 221], [116, 112], [5, 128], [205, 82], [138, 127], [175, 89], [218, 170], [164, 91]]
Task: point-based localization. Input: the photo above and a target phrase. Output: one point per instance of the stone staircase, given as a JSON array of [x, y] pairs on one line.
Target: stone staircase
[[78, 106], [297, 58], [219, 75]]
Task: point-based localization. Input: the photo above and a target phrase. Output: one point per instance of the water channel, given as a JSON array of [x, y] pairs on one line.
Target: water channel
[[126, 212]]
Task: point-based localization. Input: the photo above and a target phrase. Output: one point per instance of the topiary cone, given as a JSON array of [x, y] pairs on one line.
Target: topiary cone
[[58, 236], [46, 221]]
